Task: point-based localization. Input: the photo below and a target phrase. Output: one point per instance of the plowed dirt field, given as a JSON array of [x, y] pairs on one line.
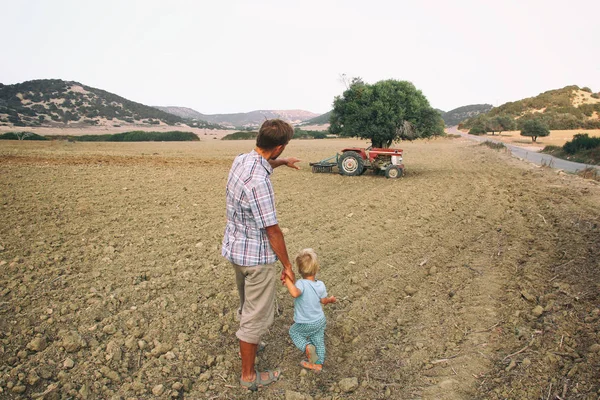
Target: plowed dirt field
[[473, 276]]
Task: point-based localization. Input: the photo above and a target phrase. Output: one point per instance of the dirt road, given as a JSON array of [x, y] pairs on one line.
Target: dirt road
[[530, 154], [473, 276]]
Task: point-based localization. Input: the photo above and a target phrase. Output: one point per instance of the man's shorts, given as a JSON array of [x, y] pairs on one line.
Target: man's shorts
[[256, 287]]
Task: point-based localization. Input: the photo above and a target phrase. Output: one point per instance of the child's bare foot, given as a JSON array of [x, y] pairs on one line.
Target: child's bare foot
[[311, 353], [313, 366]]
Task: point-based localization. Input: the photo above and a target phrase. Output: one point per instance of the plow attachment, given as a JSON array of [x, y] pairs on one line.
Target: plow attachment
[[326, 165]]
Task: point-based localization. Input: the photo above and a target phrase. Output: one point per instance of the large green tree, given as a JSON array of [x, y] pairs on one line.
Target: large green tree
[[384, 112], [535, 128]]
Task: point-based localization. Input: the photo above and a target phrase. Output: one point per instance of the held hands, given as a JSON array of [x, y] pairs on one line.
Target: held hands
[[287, 273]]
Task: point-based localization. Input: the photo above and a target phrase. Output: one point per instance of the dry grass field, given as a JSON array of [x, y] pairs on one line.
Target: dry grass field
[[473, 276], [556, 138]]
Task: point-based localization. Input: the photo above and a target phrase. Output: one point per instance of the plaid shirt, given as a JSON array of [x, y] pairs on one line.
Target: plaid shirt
[[250, 209]]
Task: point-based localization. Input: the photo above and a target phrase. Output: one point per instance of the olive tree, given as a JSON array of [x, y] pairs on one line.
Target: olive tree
[[23, 135], [535, 128], [384, 112], [479, 127], [504, 123]]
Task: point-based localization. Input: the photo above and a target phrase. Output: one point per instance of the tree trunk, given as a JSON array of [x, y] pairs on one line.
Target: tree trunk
[[381, 144], [534, 138]]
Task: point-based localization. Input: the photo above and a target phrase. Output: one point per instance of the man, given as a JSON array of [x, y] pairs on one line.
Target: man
[[253, 242]]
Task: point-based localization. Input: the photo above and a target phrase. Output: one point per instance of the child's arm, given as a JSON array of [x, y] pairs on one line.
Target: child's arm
[[327, 300], [294, 291]]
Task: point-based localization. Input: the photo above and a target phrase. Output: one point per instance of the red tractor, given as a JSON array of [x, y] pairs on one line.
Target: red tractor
[[355, 161]]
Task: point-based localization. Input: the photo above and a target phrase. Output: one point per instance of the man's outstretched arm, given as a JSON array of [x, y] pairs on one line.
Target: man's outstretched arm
[[290, 162]]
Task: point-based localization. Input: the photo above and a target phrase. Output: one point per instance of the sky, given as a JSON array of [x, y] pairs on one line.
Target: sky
[[231, 56]]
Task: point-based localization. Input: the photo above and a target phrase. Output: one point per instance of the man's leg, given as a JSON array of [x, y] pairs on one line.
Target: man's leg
[[248, 353], [259, 301], [258, 307]]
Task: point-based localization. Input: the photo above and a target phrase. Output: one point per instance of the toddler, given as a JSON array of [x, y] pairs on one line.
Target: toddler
[[308, 330]]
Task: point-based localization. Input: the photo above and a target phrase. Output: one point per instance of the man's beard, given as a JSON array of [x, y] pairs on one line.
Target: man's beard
[[277, 156]]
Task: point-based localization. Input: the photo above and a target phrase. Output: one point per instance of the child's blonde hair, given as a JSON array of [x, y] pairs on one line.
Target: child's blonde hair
[[307, 262]]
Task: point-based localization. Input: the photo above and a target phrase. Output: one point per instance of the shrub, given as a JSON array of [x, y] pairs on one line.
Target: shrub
[[581, 141], [302, 134], [241, 136], [21, 136], [14, 119], [586, 89], [138, 136], [477, 130], [550, 149], [493, 145], [587, 109]]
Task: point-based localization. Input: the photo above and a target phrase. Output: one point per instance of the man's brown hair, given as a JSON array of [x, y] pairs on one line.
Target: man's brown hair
[[273, 133]]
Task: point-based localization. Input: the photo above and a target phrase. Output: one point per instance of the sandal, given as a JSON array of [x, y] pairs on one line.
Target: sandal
[[311, 354], [313, 366], [259, 382]]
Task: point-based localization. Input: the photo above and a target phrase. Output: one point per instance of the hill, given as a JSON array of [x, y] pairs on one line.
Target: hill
[[571, 107], [251, 119], [456, 116], [54, 102], [319, 120]]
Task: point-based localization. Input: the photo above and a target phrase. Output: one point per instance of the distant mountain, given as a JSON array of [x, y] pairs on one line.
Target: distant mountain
[[571, 107], [319, 120], [54, 102], [250, 119], [454, 117], [182, 112]]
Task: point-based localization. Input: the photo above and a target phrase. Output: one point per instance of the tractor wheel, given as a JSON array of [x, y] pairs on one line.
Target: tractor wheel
[[393, 172], [351, 163]]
